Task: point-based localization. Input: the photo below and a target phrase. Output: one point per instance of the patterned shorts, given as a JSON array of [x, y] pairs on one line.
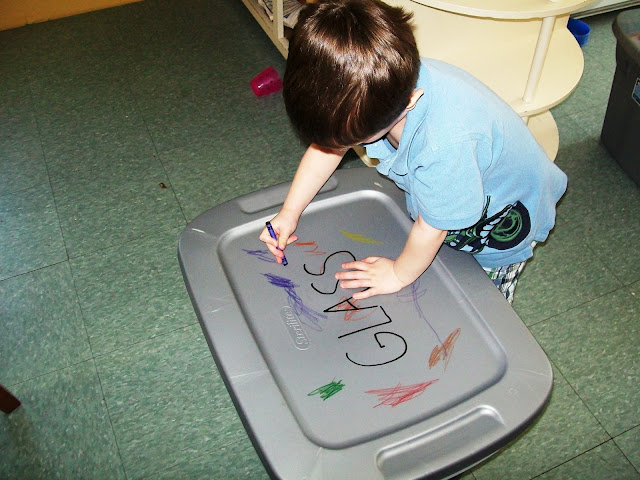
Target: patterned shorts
[[506, 278]]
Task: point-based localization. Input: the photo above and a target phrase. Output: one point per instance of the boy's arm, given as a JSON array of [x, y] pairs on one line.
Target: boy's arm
[[382, 275], [315, 168]]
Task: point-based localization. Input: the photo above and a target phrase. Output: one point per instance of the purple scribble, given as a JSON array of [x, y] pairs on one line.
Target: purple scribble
[[413, 296], [295, 302], [263, 254]]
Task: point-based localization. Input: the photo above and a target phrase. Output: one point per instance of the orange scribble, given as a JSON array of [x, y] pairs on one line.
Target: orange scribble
[[313, 251], [396, 395], [444, 351]]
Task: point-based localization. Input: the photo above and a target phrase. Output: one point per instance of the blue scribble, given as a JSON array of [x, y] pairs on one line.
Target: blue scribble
[[413, 296], [295, 302], [263, 254]]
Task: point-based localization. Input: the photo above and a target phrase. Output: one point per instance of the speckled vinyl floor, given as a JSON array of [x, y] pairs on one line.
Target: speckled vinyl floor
[[117, 128]]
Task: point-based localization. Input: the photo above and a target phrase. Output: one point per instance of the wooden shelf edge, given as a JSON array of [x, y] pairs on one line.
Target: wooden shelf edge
[[267, 25]]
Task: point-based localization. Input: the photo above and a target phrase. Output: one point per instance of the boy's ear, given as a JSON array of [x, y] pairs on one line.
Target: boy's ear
[[415, 96]]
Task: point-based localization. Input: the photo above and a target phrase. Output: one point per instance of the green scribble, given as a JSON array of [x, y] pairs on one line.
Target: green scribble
[[328, 390], [358, 237]]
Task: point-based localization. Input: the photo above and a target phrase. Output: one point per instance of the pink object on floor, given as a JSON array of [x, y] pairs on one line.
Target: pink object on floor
[[266, 82]]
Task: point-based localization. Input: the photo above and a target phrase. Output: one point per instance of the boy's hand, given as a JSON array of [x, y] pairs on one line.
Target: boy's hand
[[284, 227], [375, 273], [381, 275]]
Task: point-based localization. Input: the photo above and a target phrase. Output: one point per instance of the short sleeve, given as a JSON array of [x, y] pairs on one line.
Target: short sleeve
[[380, 149], [447, 188]]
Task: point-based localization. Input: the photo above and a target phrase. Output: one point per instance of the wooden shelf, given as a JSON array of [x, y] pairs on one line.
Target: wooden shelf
[[561, 72], [273, 28], [505, 56], [521, 49]]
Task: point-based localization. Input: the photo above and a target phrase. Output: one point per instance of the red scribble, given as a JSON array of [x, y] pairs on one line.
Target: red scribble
[[313, 251], [444, 351], [396, 395]]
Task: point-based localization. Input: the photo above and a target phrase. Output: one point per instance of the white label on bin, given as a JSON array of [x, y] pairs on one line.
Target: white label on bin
[[297, 333], [636, 92]]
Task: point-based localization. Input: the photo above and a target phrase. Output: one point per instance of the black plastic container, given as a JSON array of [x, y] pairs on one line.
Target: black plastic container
[[621, 129]]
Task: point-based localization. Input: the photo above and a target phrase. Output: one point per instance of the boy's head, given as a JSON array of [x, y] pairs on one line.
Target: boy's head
[[351, 69]]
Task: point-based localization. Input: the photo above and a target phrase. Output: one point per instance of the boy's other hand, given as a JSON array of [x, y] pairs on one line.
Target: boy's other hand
[[284, 228], [374, 273]]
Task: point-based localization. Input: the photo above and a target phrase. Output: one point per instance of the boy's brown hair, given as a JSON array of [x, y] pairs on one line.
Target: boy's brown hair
[[351, 69]]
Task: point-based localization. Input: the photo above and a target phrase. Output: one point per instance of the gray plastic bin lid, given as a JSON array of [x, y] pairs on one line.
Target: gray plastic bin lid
[[420, 384]]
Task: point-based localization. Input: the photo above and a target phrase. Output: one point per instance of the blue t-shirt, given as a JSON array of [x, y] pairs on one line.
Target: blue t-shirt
[[470, 165]]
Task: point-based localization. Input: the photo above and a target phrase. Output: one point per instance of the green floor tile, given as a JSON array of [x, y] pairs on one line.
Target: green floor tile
[[582, 159], [51, 43], [21, 159], [77, 81], [602, 42], [98, 138], [61, 430], [604, 461], [70, 61], [565, 429], [181, 104], [596, 348], [277, 130], [29, 231], [179, 95], [41, 327], [141, 23], [175, 118], [603, 205], [167, 402], [132, 292], [11, 61], [207, 174], [592, 91], [612, 238], [22, 164], [99, 215], [590, 121], [233, 461], [571, 133], [562, 274], [629, 443]]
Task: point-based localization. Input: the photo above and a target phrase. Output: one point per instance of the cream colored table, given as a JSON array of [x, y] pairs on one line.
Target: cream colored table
[[520, 49]]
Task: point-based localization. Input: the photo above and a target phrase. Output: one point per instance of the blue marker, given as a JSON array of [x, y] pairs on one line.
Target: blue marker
[[273, 235]]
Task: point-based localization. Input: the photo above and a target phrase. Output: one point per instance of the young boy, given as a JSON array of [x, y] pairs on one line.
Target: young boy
[[474, 176]]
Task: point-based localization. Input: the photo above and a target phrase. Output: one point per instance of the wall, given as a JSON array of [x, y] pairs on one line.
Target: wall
[[16, 13]]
